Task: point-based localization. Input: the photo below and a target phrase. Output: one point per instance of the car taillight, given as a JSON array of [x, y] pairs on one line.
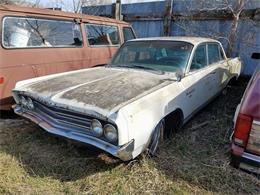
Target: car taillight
[[1, 80], [242, 129]]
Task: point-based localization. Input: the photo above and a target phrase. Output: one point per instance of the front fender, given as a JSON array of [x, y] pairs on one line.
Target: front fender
[[142, 117], [140, 127], [144, 114], [122, 126], [235, 66]]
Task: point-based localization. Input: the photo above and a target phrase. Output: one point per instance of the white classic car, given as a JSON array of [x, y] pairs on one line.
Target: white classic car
[[151, 87]]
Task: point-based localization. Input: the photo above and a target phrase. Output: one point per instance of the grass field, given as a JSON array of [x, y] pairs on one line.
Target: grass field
[[195, 161]]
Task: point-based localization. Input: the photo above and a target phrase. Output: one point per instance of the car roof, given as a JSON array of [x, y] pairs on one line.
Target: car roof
[[192, 40], [56, 13]]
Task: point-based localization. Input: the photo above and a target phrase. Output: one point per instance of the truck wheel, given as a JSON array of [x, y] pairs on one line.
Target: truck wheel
[[157, 138], [234, 161]]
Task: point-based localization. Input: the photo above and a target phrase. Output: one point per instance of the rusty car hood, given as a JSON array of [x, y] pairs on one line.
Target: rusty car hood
[[99, 90]]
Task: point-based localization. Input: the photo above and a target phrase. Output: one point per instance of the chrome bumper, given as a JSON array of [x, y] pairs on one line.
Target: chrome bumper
[[250, 163], [244, 160], [244, 157], [123, 152]]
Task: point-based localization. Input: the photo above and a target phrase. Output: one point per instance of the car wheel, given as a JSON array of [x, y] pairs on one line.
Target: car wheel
[[157, 138]]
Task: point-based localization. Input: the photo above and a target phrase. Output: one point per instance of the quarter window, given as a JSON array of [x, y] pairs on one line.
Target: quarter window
[[102, 35], [128, 33], [213, 53], [30, 32], [199, 59]]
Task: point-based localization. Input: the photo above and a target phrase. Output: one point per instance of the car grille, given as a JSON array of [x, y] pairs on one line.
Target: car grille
[[63, 119]]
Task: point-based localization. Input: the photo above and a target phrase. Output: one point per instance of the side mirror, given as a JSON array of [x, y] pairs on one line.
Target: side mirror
[[179, 75], [255, 56]]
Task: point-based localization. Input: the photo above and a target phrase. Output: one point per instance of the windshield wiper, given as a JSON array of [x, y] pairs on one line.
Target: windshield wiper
[[148, 68], [138, 67]]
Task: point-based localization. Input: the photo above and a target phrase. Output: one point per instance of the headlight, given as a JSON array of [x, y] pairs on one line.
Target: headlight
[[23, 101], [27, 103], [97, 127], [30, 104], [110, 133]]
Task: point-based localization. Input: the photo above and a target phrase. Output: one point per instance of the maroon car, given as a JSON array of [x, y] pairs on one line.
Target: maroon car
[[245, 152]]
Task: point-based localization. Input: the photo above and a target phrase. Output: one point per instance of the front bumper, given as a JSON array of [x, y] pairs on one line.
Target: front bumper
[[245, 160], [123, 152]]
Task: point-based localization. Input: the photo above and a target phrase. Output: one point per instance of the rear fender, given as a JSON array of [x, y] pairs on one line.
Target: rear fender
[[235, 66]]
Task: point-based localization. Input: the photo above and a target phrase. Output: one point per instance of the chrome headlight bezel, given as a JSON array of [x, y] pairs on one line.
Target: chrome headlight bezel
[[23, 101], [97, 127], [26, 102], [111, 133], [30, 104]]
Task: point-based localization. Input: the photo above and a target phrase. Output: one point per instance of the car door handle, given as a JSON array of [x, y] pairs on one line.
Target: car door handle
[[212, 73]]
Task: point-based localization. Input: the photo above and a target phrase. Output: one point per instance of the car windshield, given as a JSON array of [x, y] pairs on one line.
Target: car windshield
[[166, 56]]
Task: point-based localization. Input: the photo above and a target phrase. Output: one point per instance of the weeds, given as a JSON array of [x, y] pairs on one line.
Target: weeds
[[194, 161]]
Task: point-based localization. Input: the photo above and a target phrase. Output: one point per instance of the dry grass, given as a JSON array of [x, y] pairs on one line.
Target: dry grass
[[195, 161]]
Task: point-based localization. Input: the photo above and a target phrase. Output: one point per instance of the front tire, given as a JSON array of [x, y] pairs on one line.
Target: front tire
[[157, 138]]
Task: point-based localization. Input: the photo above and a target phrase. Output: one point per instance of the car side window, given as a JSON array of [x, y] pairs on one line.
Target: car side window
[[199, 59], [128, 33], [213, 53]]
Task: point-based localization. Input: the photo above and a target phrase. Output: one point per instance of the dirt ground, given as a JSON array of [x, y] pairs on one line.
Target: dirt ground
[[194, 161]]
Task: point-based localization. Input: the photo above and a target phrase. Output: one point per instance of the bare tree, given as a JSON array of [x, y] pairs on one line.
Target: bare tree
[[76, 5], [236, 12], [35, 3], [6, 2], [231, 7]]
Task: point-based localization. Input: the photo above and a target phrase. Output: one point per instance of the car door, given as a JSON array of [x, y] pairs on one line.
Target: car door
[[218, 67], [197, 80], [224, 68], [202, 79]]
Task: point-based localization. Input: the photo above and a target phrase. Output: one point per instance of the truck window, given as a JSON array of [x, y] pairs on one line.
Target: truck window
[[21, 32], [102, 35], [128, 33]]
